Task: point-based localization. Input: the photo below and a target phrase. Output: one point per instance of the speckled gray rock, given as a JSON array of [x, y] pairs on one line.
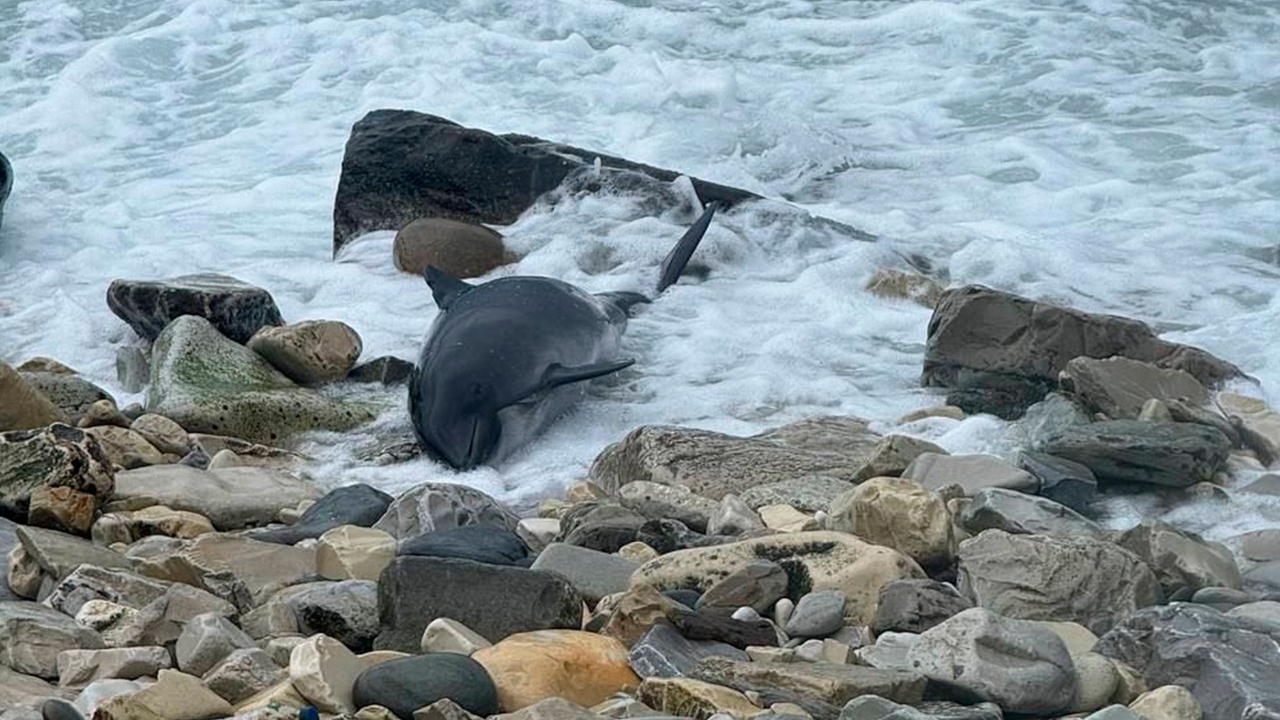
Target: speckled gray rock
[[874, 707], [207, 383], [971, 472], [79, 667], [733, 516], [664, 652], [32, 635], [806, 494], [1020, 666], [712, 464], [1036, 577], [236, 308], [914, 606], [243, 674], [53, 456], [1020, 513], [1182, 561], [70, 393], [592, 573], [817, 614], [758, 585], [232, 498], [657, 501], [1171, 454], [87, 583], [346, 611], [820, 688], [437, 506], [206, 640], [59, 554]]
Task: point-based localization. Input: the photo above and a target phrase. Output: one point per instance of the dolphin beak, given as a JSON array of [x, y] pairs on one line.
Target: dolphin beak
[[472, 445]]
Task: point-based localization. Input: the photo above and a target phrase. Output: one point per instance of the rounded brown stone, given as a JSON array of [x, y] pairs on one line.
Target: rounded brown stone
[[461, 249]]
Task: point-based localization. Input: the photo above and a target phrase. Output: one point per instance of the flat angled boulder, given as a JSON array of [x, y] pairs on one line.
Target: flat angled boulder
[[713, 464], [1171, 454], [236, 308], [1118, 387], [493, 600], [231, 497], [59, 554], [209, 384]]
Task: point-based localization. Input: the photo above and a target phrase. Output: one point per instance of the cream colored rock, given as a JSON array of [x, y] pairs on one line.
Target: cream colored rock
[[129, 527], [174, 696], [1131, 684], [1096, 680], [263, 567], [166, 435], [309, 352], [694, 698], [1168, 702], [899, 514], [324, 671], [1079, 639], [125, 447], [1260, 424], [445, 635], [785, 518], [348, 552], [581, 667], [538, 533], [950, 412], [280, 695], [22, 406], [377, 657], [831, 560], [638, 552], [224, 458], [103, 412], [375, 712], [899, 285]]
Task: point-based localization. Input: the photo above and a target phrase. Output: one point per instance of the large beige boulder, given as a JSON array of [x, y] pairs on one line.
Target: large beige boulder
[[582, 667], [896, 513]]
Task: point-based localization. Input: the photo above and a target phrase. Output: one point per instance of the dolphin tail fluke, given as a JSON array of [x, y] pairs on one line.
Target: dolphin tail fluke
[[679, 256]]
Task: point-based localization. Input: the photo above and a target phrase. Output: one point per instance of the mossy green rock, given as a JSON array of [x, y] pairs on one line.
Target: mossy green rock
[[208, 383]]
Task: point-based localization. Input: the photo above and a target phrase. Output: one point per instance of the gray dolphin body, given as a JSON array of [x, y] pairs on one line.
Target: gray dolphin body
[[506, 358]]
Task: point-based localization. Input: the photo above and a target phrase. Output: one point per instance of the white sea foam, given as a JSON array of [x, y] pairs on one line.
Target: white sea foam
[[1116, 156]]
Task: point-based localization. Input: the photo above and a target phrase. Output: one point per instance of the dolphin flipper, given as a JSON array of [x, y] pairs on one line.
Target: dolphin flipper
[[556, 375], [445, 288], [679, 256]]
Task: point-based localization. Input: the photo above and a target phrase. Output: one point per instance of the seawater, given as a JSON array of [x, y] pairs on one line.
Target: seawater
[[1116, 156]]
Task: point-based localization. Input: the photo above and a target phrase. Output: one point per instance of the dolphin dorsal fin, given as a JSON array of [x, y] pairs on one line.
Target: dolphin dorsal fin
[[445, 288], [679, 256]]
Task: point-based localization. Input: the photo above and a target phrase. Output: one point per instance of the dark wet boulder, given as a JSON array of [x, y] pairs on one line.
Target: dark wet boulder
[[360, 504], [1229, 663], [1013, 348], [401, 165], [1170, 454], [236, 308], [406, 684], [480, 543]]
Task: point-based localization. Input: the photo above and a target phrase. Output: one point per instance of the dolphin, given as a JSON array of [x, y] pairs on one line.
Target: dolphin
[[506, 358]]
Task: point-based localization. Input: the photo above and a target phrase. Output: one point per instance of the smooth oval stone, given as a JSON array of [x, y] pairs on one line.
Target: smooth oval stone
[[406, 684], [480, 543]]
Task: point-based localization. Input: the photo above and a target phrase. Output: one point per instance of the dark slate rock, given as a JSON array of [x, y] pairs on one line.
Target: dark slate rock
[[401, 165], [758, 585], [346, 611], [1228, 663], [1017, 512], [915, 605], [667, 536], [388, 370], [688, 598], [406, 684], [1061, 480], [492, 600], [358, 504], [236, 308], [8, 541], [1005, 396], [817, 614], [976, 330], [600, 526], [593, 573], [480, 543], [719, 625], [1171, 454], [664, 652]]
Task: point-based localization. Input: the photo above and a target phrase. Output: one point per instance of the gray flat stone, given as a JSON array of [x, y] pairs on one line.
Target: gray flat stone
[[593, 573]]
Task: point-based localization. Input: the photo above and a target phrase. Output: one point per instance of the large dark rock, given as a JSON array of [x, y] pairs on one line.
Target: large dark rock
[[1229, 663], [915, 605], [493, 600], [719, 625], [480, 543], [401, 165], [1020, 513], [664, 652], [236, 308], [1171, 454], [406, 684], [600, 526], [361, 505], [1061, 480], [983, 338]]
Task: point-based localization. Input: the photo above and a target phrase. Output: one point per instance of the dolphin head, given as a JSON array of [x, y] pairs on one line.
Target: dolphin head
[[456, 422]]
